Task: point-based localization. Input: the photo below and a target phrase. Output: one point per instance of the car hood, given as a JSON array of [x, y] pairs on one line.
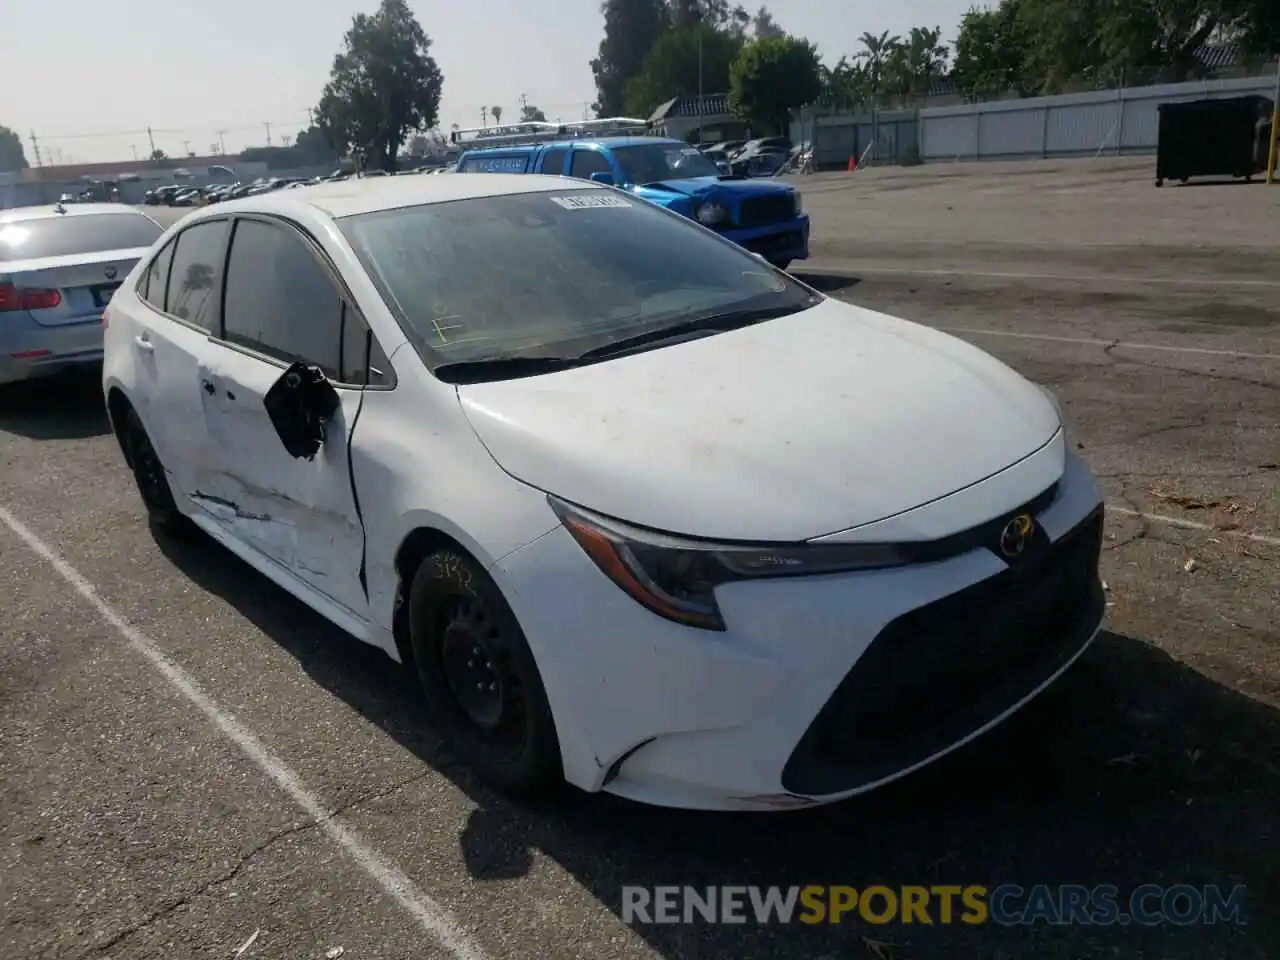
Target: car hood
[[710, 186], [786, 430]]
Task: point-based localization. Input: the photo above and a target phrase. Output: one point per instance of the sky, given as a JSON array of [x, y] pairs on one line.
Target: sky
[[89, 78]]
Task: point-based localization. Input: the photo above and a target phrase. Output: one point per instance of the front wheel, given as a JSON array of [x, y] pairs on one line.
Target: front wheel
[[480, 678]]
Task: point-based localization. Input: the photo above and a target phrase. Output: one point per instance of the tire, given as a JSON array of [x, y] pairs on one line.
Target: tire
[[463, 636], [1160, 182], [152, 481]]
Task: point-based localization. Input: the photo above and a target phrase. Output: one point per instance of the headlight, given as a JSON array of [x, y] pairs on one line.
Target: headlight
[[710, 214], [799, 203], [676, 577]]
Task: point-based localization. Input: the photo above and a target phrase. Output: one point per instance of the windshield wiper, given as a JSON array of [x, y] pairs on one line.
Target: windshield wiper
[[501, 368], [712, 323]]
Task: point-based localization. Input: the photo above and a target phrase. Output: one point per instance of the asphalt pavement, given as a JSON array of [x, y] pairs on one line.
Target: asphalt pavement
[[191, 762]]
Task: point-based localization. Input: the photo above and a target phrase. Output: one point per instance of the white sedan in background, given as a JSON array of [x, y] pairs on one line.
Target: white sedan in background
[[59, 266], [641, 512]]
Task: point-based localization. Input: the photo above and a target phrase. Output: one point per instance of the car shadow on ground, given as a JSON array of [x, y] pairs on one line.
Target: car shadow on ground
[[1132, 770], [67, 406], [827, 282]]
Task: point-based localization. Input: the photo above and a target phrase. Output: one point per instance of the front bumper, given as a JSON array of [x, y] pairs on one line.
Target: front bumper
[[785, 240], [821, 687]]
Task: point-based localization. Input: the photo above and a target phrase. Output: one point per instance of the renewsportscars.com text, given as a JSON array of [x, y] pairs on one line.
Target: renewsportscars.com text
[[1004, 905]]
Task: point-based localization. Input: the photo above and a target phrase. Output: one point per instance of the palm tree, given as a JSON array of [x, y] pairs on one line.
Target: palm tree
[[879, 50], [497, 115]]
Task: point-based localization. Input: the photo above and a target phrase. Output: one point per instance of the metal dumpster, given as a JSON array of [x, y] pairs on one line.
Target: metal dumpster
[[1213, 138]]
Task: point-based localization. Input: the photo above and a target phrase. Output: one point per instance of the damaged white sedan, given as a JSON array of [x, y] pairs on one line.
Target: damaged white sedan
[[641, 512]]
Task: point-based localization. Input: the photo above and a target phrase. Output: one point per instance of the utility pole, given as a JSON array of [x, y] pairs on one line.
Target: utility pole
[[133, 148], [152, 141], [222, 144], [484, 116], [186, 148], [524, 106], [268, 126], [35, 148]]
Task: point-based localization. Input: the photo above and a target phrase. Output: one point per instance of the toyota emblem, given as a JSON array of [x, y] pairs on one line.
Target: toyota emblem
[[1016, 535]]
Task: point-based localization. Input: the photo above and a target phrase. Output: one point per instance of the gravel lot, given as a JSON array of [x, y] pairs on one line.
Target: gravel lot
[[133, 826]]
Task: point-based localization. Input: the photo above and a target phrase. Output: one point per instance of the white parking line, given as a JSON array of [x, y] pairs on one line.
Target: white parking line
[[1092, 278], [1114, 344], [1195, 525], [430, 916]]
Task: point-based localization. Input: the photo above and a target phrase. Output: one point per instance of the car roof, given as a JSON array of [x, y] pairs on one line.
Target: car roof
[[46, 210], [348, 198], [611, 143]]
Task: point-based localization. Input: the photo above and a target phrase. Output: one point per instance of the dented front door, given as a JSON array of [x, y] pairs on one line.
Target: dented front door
[[299, 513]]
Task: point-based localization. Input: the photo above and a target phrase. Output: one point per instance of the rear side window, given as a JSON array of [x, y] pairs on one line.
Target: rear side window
[[553, 161], [196, 275], [587, 162], [72, 234], [156, 279]]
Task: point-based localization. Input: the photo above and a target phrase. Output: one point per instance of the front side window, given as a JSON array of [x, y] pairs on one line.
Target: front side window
[[71, 234], [280, 301], [650, 163], [196, 275], [553, 273]]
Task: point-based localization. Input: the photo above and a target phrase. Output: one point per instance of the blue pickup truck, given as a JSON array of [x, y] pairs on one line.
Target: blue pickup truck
[[764, 217]]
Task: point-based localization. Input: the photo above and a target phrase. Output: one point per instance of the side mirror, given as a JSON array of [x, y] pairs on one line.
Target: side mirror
[[602, 177], [300, 404]]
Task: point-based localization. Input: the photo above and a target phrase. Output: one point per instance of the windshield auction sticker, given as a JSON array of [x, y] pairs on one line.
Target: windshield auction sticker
[[588, 202]]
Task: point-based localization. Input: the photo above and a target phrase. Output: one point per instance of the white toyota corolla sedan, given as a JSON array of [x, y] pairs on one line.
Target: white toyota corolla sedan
[[641, 512]]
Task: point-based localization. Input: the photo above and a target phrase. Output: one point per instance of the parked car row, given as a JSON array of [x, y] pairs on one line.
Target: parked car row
[[762, 157]]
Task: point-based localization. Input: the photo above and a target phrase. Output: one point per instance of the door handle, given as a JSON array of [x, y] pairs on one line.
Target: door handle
[[142, 343]]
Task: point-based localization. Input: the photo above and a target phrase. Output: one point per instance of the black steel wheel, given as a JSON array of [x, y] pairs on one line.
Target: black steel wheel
[[151, 479], [479, 675]]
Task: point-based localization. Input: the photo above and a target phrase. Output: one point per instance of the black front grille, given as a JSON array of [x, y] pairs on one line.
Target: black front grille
[[764, 210], [941, 672]]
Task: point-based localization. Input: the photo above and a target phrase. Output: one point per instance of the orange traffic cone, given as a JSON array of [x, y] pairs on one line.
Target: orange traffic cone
[[853, 164]]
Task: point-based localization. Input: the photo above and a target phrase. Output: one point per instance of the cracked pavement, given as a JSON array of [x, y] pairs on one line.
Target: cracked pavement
[[129, 828]]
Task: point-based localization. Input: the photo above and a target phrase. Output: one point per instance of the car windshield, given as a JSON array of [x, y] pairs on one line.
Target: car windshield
[[68, 235], [650, 163], [554, 274]]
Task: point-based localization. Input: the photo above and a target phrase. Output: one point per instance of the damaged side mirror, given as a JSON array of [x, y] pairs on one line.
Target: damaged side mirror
[[300, 405]]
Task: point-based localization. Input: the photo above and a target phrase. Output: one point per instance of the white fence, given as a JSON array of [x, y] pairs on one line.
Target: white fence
[[1124, 121]]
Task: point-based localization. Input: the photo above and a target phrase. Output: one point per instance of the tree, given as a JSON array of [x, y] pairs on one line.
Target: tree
[[763, 25], [531, 114], [158, 156], [384, 85], [631, 27], [772, 77], [12, 155], [497, 115], [846, 85], [876, 54], [912, 65], [991, 53], [671, 69]]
